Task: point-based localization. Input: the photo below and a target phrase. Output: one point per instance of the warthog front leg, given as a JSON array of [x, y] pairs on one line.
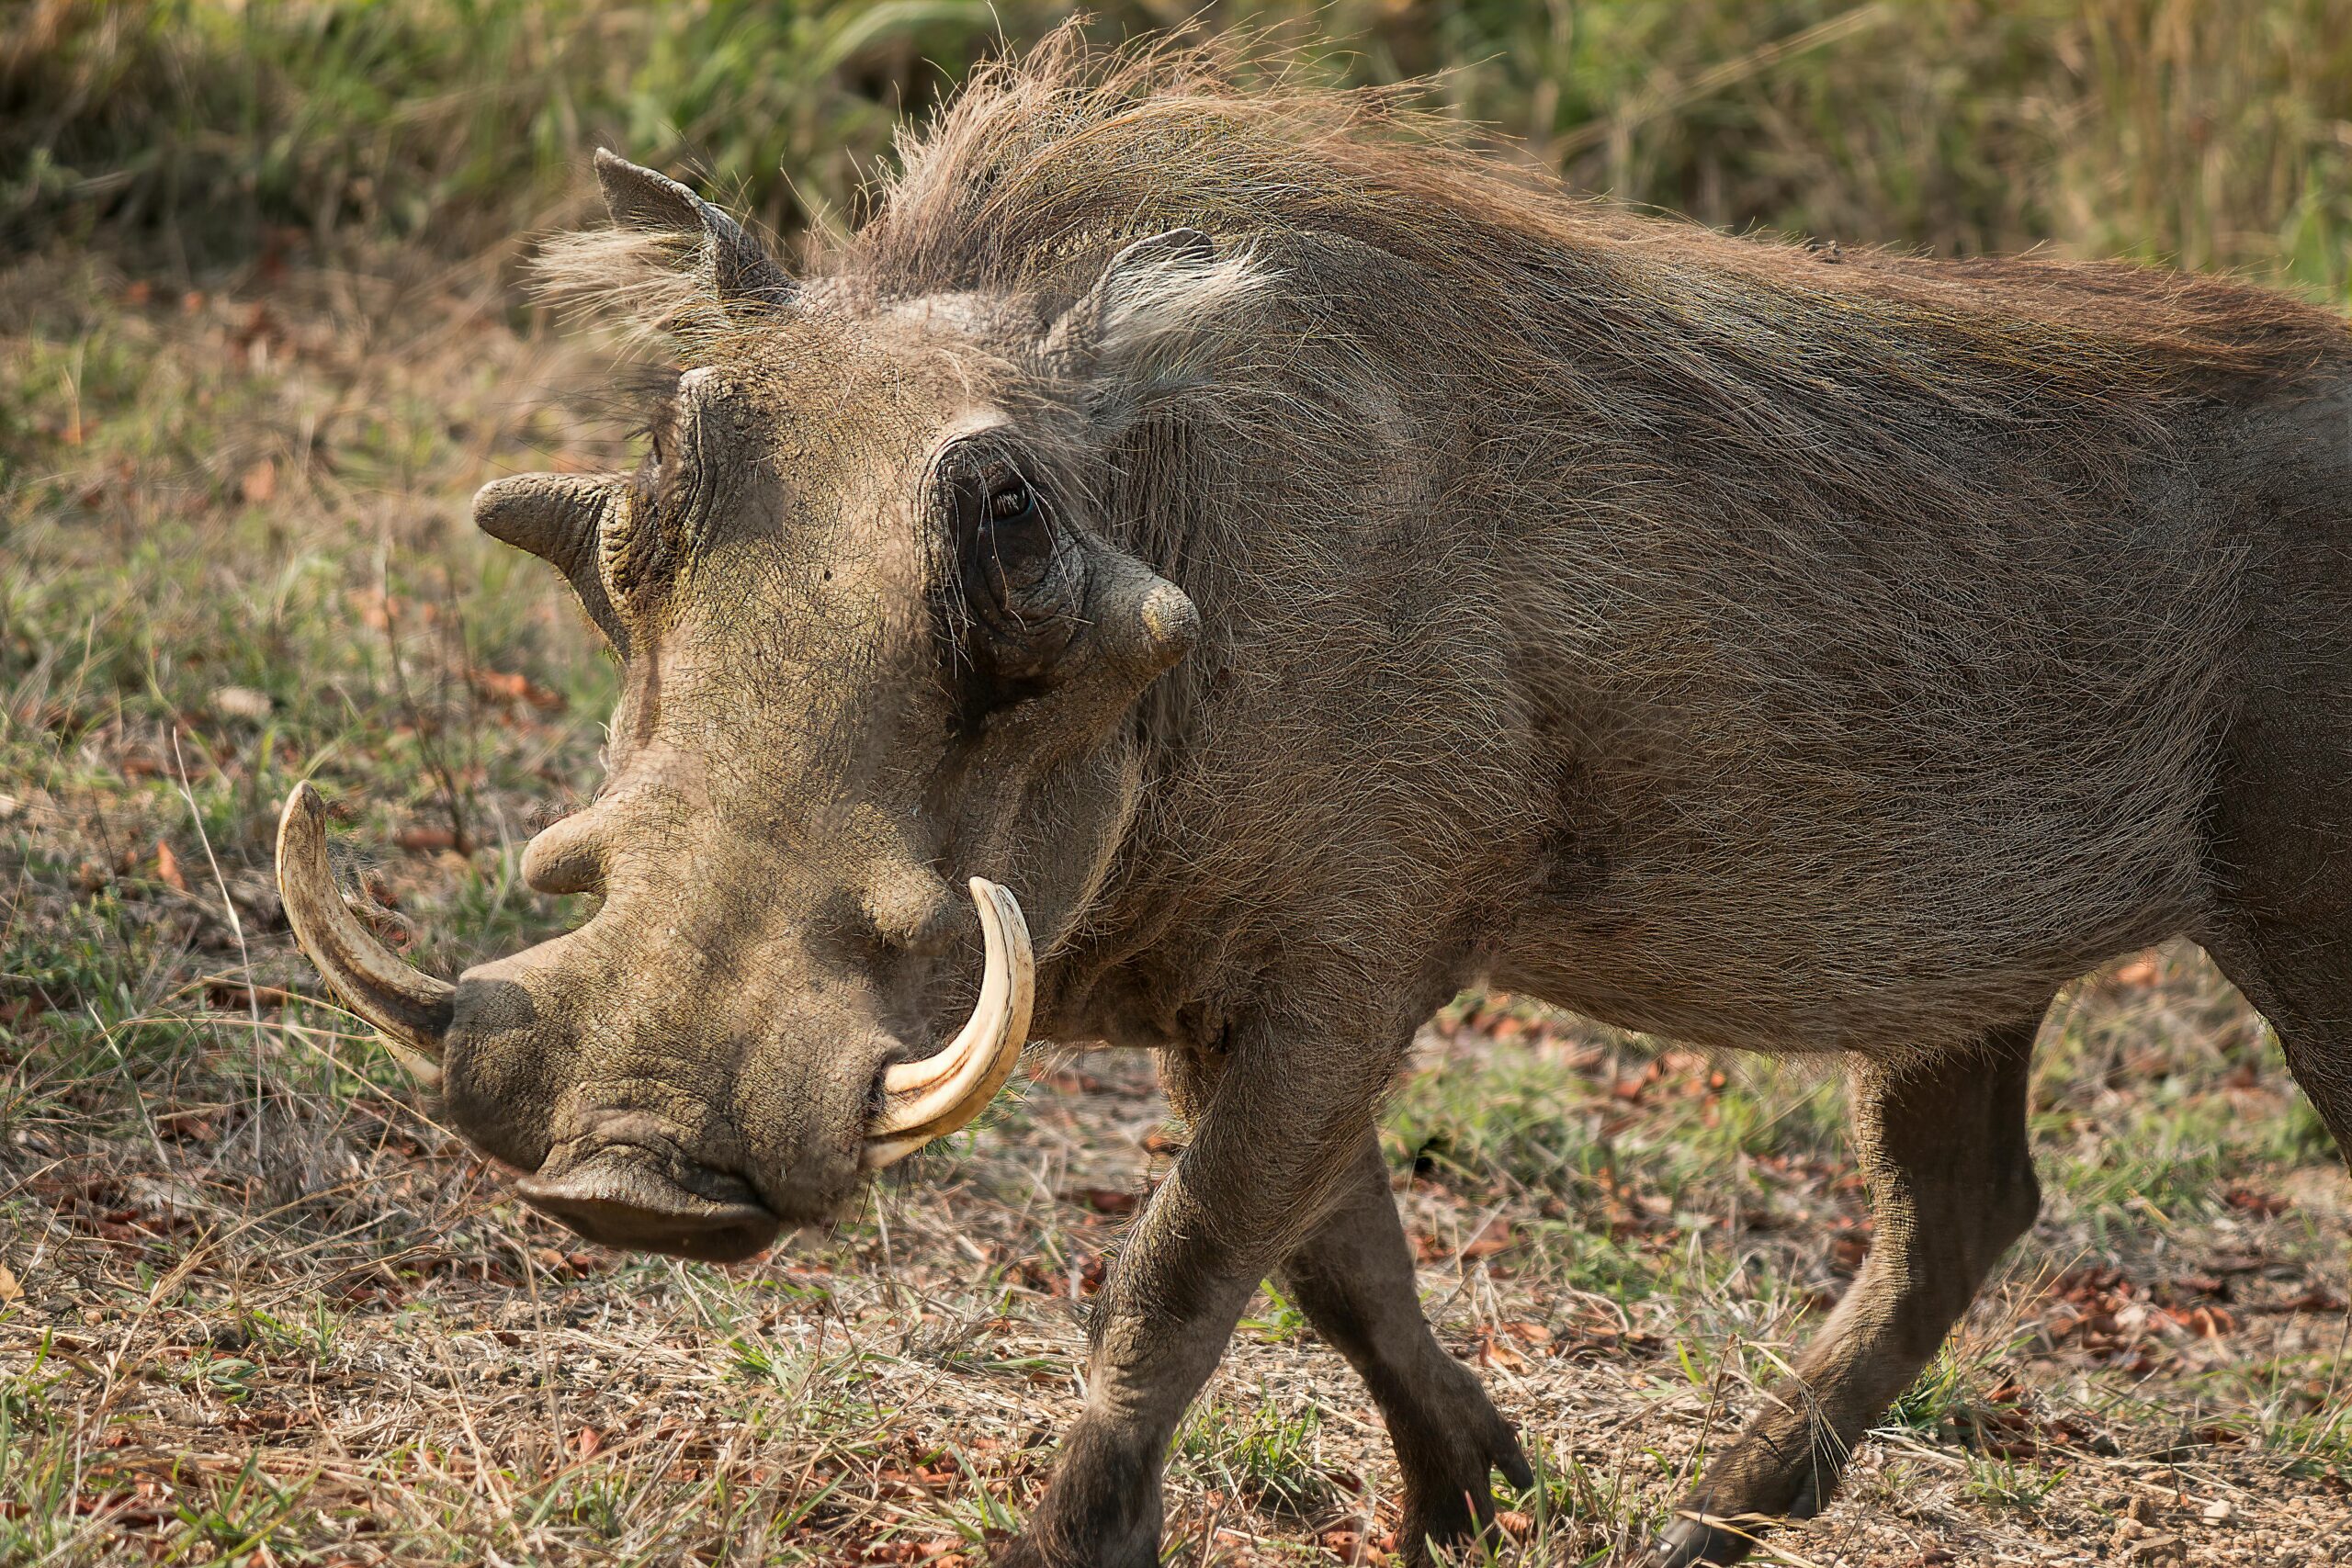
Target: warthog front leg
[[1271, 1151], [1354, 1278], [1951, 1186]]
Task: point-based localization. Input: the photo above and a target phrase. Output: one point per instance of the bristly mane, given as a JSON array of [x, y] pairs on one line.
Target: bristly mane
[[1040, 163], [1044, 163]]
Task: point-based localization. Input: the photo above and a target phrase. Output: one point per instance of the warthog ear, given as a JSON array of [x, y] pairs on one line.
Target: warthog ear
[[561, 519], [739, 268], [1156, 319]]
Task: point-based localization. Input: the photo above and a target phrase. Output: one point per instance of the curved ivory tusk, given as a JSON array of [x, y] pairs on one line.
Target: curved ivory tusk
[[930, 1099], [412, 1009]]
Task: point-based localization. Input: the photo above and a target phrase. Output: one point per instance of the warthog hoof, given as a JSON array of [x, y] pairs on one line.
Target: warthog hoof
[[1449, 1478], [1027, 1551], [1689, 1542], [1699, 1535]]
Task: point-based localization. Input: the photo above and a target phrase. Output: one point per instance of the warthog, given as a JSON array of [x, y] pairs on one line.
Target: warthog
[[1317, 568]]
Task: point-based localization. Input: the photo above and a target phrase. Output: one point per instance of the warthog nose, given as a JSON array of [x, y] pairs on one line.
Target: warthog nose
[[618, 1197]]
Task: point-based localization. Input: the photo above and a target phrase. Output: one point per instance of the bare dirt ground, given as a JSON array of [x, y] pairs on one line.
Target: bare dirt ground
[[257, 1306]]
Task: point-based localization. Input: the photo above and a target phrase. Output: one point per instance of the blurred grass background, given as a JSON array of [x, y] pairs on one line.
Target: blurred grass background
[[2210, 135]]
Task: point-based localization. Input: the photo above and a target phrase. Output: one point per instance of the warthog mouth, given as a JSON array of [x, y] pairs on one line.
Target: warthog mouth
[[620, 1198]]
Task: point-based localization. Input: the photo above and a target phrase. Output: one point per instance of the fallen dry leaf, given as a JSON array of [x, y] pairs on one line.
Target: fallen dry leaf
[[259, 484], [10, 1291], [1495, 1237], [2260, 1204], [516, 687], [242, 702], [167, 867]]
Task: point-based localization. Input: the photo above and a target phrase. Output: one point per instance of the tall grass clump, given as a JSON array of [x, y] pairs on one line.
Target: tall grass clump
[[450, 123]]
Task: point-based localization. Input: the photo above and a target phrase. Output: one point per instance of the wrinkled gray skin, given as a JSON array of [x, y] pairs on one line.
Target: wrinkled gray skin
[[1879, 789]]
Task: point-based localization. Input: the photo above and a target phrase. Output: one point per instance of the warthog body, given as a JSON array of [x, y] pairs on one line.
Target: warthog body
[[1761, 647]]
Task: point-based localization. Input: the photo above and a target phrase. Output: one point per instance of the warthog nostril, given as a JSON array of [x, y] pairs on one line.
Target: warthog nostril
[[620, 1198]]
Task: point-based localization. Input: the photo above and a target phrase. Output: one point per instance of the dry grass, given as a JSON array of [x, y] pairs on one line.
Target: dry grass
[[259, 1308]]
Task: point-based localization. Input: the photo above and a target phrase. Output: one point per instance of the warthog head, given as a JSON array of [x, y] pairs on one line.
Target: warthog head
[[876, 649]]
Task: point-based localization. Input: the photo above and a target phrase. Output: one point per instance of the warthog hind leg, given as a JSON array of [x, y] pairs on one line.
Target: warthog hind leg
[[1943, 1145], [2299, 978], [1354, 1278]]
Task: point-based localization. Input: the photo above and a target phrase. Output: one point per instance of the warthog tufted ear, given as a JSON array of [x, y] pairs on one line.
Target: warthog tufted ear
[[1157, 316], [739, 268]]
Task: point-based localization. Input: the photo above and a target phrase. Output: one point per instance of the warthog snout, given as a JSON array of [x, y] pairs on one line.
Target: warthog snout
[[698, 1116]]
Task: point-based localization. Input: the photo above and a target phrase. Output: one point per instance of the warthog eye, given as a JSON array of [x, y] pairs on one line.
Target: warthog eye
[[1015, 539], [1013, 548], [1018, 584]]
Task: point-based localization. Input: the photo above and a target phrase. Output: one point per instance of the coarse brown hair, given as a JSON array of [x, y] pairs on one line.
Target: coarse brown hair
[[1856, 614]]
